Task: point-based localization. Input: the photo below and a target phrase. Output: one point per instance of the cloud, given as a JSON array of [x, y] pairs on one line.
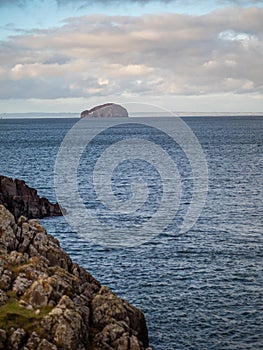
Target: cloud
[[189, 2], [107, 2], [19, 3], [231, 35], [150, 55], [85, 3]]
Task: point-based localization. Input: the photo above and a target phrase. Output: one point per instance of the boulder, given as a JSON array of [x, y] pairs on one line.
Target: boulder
[[20, 199], [49, 302], [107, 110]]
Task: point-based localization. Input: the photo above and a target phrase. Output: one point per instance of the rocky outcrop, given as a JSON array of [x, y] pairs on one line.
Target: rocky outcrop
[[47, 302], [20, 199], [107, 110]]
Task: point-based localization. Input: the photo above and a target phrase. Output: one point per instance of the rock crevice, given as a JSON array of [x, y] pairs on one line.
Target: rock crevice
[[47, 302]]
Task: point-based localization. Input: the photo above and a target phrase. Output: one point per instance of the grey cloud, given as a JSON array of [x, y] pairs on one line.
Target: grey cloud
[[19, 3], [149, 55], [189, 2], [241, 2], [87, 3], [44, 88]]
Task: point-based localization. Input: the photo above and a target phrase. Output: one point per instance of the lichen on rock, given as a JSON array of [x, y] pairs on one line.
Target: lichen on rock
[[47, 302]]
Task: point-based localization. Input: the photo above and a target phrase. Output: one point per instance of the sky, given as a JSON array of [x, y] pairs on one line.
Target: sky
[[185, 56]]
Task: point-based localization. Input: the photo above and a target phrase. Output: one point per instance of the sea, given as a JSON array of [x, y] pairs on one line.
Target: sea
[[198, 278]]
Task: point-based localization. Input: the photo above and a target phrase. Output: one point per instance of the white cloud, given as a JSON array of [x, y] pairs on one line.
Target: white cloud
[[247, 40], [232, 35], [127, 56], [2, 71], [102, 82], [131, 70]]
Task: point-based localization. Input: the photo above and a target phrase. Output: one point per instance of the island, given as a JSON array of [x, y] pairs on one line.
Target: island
[[107, 110]]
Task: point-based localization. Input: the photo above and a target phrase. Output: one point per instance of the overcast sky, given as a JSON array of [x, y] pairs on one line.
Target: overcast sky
[[69, 55]]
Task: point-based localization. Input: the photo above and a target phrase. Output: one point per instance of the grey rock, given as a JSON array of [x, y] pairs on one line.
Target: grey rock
[[17, 339], [3, 297], [3, 338], [57, 304], [108, 309], [33, 342], [21, 284], [5, 277], [39, 293], [46, 345]]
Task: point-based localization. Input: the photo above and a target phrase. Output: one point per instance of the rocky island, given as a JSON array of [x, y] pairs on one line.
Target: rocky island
[[107, 110], [47, 302]]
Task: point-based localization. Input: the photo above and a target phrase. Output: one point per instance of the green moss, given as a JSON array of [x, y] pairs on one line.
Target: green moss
[[14, 315], [17, 268]]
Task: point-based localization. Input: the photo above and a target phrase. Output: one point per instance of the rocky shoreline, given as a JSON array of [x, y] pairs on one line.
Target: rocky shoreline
[[47, 302], [20, 199]]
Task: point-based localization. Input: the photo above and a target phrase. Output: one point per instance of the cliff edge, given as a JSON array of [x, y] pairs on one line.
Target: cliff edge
[[20, 199], [107, 110], [47, 302]]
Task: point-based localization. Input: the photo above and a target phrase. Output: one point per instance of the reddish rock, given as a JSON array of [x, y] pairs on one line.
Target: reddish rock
[[20, 199]]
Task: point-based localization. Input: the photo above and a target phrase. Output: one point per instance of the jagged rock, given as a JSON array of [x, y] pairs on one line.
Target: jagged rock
[[20, 199], [3, 297], [39, 293], [2, 338], [5, 277], [21, 283], [17, 339], [46, 345], [33, 342], [49, 303], [107, 110], [108, 309]]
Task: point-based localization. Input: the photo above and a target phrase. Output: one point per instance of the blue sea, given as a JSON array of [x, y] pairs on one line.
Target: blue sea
[[199, 289]]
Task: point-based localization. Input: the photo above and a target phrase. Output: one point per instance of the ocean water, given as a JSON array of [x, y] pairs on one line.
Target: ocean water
[[199, 290]]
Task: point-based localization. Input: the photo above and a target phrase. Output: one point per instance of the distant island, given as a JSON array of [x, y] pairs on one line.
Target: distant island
[[107, 110]]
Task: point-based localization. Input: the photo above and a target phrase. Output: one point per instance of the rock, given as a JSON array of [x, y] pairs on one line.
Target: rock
[[47, 302], [2, 338], [45, 345], [3, 297], [107, 110], [107, 309], [17, 339], [5, 277], [21, 283], [20, 199], [39, 293], [33, 342]]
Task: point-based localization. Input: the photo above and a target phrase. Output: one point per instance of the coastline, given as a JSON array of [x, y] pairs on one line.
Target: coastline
[[49, 302], [46, 300]]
